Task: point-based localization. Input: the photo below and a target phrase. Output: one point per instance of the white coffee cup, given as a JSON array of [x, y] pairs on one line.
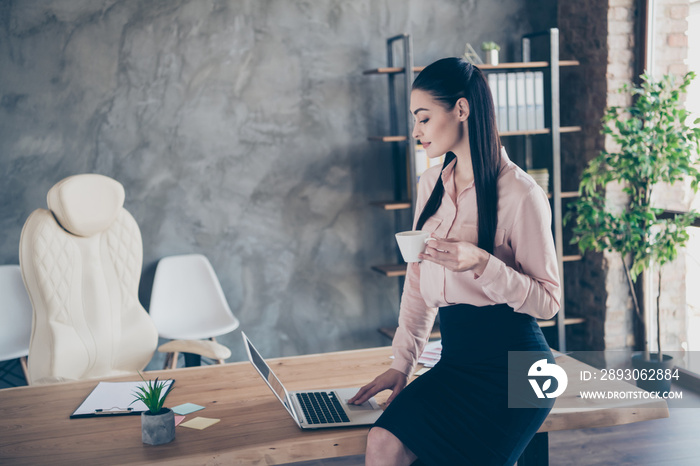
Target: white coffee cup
[[411, 243]]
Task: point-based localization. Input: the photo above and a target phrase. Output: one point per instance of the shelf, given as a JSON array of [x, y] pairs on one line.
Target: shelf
[[399, 270], [387, 138], [501, 66], [392, 205], [392, 70], [566, 194], [526, 65], [569, 194], [435, 332], [401, 129], [567, 321], [572, 258], [391, 270], [531, 132]]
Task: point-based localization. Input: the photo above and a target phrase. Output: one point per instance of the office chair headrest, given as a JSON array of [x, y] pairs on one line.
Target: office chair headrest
[[87, 204]]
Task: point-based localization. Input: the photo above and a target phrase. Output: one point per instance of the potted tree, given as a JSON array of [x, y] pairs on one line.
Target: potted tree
[[654, 144], [158, 422]]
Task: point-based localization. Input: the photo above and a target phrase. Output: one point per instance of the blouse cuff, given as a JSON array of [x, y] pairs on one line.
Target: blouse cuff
[[404, 367], [492, 270]]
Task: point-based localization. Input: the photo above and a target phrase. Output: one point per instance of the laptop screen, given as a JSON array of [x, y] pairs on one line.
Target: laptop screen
[[266, 372]]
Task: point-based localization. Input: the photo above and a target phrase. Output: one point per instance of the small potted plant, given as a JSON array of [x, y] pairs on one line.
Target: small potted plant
[[491, 49], [654, 144], [158, 423]]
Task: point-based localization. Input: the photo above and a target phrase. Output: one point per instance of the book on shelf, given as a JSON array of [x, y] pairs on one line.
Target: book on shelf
[[520, 92], [539, 100], [493, 86], [518, 99], [512, 96], [530, 100], [502, 103]]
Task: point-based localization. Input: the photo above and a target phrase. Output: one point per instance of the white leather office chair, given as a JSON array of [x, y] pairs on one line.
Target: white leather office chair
[[15, 317], [81, 264], [187, 303]]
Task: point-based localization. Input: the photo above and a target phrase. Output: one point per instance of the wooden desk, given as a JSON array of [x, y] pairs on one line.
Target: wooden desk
[[254, 428]]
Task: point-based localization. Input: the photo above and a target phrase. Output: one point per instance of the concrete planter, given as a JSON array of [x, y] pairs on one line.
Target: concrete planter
[[157, 429], [658, 384], [492, 57]]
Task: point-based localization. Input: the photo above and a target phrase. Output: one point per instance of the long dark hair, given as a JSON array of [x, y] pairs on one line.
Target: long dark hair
[[447, 81]]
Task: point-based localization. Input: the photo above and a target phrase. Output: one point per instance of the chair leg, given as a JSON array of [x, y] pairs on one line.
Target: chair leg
[[220, 361], [23, 363], [171, 360]]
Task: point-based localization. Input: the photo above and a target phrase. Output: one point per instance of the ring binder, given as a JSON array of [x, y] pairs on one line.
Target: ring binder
[[115, 410]]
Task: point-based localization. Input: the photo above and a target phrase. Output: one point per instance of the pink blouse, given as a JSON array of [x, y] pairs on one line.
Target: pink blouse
[[522, 272]]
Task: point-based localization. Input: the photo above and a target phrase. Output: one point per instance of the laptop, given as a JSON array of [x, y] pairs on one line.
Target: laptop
[[316, 409]]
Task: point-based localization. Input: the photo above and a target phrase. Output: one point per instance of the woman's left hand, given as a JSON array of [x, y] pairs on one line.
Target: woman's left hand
[[455, 255]]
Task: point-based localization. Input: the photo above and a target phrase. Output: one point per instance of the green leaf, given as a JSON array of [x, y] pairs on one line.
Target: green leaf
[[150, 394], [654, 144]]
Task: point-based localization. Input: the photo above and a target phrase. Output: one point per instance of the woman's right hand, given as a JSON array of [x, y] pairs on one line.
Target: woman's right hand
[[390, 380]]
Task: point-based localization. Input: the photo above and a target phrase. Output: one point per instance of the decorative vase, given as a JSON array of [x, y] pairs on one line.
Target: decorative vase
[[157, 429], [647, 368], [492, 57]]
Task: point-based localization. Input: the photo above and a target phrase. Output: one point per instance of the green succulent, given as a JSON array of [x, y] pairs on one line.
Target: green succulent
[[490, 46], [150, 394]]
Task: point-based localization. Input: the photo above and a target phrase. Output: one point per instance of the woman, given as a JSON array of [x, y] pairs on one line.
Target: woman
[[490, 267]]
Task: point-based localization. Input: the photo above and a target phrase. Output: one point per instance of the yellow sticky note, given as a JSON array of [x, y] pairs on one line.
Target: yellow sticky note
[[200, 423]]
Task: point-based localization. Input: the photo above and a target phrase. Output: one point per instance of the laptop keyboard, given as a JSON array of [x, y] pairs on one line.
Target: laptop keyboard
[[322, 408]]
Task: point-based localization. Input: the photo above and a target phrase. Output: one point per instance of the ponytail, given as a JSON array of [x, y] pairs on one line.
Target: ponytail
[[449, 80]]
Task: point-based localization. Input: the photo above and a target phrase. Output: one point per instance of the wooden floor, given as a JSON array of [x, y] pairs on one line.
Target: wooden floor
[[674, 441]]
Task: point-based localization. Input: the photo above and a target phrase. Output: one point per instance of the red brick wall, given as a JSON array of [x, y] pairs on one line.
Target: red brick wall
[[604, 37], [583, 29], [671, 40]]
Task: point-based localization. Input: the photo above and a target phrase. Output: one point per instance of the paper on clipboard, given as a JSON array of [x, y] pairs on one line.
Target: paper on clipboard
[[115, 398]]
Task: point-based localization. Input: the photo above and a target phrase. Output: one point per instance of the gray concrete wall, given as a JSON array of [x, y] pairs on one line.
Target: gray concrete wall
[[238, 129]]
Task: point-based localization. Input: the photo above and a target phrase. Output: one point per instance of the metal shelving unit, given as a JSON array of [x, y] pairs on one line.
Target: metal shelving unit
[[403, 146]]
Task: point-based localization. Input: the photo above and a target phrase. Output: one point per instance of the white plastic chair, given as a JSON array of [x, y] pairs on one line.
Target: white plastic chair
[[187, 303], [15, 317]]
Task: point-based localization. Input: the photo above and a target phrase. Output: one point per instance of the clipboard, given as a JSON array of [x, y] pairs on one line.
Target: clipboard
[[115, 399]]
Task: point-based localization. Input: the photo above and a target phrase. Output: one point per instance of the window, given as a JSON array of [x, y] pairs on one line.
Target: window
[[693, 249]]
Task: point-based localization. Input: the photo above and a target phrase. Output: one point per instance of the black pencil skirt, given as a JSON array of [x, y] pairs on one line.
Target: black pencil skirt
[[457, 413]]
